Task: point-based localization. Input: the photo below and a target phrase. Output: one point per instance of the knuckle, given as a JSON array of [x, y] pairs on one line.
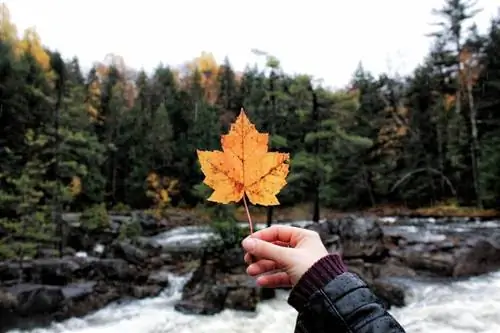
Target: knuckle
[[310, 232], [313, 234], [257, 247]]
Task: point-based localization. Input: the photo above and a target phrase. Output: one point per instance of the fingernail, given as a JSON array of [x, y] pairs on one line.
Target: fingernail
[[249, 244]]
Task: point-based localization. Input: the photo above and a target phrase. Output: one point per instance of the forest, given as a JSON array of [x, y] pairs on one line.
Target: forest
[[119, 138]]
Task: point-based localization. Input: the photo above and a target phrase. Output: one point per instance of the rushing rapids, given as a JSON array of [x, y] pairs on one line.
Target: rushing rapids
[[439, 305]]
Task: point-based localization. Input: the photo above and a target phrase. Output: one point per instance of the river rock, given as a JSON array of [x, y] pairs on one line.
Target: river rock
[[478, 257], [389, 292], [34, 305], [219, 283], [453, 257], [129, 253], [152, 225], [60, 288], [353, 236], [80, 238]]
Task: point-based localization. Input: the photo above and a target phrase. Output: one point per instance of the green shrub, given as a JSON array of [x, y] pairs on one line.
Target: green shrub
[[7, 251], [121, 208], [95, 218], [229, 232], [130, 230]]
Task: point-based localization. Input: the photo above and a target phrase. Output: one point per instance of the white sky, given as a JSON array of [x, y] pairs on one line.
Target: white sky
[[324, 38]]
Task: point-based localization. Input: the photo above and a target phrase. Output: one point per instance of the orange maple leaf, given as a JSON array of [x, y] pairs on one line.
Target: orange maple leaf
[[244, 166]]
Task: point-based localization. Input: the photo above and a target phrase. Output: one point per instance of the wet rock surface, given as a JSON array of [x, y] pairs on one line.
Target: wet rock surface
[[219, 283], [447, 248], [42, 290]]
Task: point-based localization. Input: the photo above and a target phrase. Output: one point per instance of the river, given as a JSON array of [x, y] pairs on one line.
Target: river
[[467, 306]]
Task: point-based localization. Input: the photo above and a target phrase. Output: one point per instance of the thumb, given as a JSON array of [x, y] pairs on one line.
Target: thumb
[[265, 250]]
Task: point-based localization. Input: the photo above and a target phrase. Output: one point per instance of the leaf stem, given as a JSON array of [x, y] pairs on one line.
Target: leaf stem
[[248, 214]]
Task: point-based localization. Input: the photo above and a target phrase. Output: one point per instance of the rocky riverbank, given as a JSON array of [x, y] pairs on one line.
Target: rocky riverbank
[[98, 267], [105, 268]]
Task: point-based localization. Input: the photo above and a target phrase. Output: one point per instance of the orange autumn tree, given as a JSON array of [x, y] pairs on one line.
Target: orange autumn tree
[[244, 168]]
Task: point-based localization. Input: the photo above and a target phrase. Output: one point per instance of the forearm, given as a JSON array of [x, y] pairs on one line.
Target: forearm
[[330, 300]]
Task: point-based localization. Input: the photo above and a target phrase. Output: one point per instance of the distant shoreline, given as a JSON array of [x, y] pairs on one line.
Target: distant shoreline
[[303, 212]]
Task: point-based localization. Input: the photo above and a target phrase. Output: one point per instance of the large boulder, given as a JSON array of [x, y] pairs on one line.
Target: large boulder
[[175, 218], [479, 256], [219, 283], [353, 236], [128, 252], [29, 305], [56, 289], [454, 257]]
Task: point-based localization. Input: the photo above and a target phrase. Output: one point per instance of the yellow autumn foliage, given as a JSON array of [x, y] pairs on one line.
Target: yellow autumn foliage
[[125, 87], [75, 186], [470, 68], [207, 66], [448, 101], [160, 190], [394, 128], [93, 100], [8, 30], [29, 43]]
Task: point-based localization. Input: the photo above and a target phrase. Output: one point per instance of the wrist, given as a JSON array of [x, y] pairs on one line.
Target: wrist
[[315, 278]]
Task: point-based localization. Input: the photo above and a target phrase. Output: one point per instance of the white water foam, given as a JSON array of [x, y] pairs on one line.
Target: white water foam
[[468, 306]]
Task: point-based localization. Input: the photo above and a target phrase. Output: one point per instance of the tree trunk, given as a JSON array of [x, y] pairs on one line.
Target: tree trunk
[[316, 209], [272, 77], [474, 144], [270, 211], [57, 209], [316, 180]]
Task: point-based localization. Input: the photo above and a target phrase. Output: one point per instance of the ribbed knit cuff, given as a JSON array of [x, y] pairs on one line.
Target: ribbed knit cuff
[[322, 272]]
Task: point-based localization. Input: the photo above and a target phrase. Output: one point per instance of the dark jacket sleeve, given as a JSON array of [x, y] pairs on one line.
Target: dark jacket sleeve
[[343, 304]]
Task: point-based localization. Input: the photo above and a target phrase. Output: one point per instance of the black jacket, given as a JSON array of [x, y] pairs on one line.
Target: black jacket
[[345, 305]]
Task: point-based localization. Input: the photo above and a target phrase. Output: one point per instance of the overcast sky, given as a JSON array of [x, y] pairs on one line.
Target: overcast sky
[[324, 38]]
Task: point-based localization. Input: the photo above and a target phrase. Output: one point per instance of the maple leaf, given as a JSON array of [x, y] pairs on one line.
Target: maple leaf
[[244, 166]]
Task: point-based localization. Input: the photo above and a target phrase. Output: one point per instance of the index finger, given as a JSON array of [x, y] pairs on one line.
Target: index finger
[[279, 233]]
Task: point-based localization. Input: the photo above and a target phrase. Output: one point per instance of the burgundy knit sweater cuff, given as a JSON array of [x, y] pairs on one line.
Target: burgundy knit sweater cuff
[[322, 272]]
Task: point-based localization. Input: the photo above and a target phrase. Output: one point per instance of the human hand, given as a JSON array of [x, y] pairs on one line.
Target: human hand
[[282, 253]]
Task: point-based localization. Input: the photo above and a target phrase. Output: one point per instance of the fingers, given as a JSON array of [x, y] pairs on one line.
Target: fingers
[[284, 235], [249, 259], [281, 233], [265, 250], [280, 243], [262, 266], [276, 280]]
